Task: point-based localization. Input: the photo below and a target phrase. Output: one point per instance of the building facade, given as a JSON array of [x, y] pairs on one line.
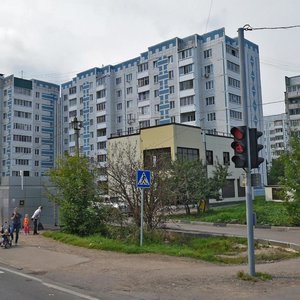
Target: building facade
[[276, 136], [193, 81], [29, 118], [178, 141], [292, 102]]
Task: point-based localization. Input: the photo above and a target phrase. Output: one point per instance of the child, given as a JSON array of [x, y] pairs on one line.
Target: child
[[26, 224], [5, 232]]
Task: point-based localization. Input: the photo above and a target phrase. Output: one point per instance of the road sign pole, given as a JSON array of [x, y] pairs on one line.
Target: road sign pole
[[142, 217]]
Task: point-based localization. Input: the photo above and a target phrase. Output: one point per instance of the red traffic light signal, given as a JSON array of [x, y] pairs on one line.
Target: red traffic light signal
[[239, 145]]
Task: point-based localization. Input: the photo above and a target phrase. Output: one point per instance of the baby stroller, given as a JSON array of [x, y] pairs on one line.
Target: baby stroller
[[6, 241]]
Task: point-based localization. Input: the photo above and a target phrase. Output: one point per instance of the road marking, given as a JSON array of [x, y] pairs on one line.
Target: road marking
[[53, 286], [1, 272]]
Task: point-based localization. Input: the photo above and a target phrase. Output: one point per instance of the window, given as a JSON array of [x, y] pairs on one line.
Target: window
[[144, 96], [235, 114], [100, 81], [209, 85], [22, 162], [226, 158], [233, 67], [101, 94], [173, 119], [187, 153], [101, 145], [101, 158], [207, 53], [119, 106], [186, 69], [36, 163], [171, 89], [129, 103], [118, 80], [101, 132], [119, 119], [72, 102], [154, 64], [171, 74], [37, 117], [101, 119], [21, 102], [22, 138], [37, 106], [211, 117], [209, 157], [143, 81], [100, 106], [170, 59], [208, 70], [234, 98], [119, 93], [157, 122], [37, 140], [185, 53], [233, 82], [156, 93], [20, 114], [187, 117], [129, 90], [156, 107], [144, 124], [128, 77], [185, 101], [172, 104], [185, 85], [144, 110], [210, 100], [155, 78], [72, 90], [143, 67], [232, 51]]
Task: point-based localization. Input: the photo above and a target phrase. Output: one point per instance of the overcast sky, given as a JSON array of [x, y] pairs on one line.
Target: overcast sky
[[55, 39]]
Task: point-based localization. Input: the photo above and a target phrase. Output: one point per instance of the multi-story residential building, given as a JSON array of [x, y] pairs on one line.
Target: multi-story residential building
[[193, 81], [28, 136], [292, 102], [276, 134]]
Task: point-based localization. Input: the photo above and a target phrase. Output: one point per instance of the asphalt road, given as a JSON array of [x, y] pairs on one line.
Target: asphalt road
[[15, 285]]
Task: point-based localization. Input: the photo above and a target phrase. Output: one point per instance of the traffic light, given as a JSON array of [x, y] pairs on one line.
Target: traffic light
[[239, 145], [254, 135]]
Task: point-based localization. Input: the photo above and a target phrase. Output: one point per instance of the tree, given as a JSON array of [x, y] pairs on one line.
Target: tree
[[291, 179], [120, 170], [76, 194], [192, 185], [276, 171]]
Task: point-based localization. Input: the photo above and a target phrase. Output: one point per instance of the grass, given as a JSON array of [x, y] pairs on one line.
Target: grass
[[267, 213], [258, 276], [226, 250]]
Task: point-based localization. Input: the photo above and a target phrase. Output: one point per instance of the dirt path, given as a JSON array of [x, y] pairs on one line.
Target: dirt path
[[149, 276]]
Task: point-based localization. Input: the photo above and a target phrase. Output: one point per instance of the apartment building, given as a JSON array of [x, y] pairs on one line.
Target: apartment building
[[276, 135], [292, 102], [193, 81], [28, 135]]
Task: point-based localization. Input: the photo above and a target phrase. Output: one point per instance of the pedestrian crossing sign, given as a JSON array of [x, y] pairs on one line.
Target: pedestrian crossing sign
[[143, 179]]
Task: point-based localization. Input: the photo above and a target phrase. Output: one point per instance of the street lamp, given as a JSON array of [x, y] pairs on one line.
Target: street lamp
[[76, 125]]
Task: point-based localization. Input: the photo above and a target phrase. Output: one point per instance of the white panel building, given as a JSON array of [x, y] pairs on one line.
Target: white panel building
[[193, 80]]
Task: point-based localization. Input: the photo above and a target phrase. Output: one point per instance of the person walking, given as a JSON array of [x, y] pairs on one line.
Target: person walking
[[26, 225], [15, 225], [35, 217]]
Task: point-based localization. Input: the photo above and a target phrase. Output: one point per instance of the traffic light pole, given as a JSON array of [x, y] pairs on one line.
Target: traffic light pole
[[249, 204]]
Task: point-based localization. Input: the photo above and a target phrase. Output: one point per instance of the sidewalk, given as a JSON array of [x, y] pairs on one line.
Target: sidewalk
[[283, 236]]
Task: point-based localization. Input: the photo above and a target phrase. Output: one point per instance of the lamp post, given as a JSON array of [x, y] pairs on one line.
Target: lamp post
[[76, 125]]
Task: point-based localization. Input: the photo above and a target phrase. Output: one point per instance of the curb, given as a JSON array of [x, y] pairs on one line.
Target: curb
[[277, 228], [208, 234]]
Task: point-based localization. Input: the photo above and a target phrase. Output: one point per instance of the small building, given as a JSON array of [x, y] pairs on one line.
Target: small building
[[185, 141]]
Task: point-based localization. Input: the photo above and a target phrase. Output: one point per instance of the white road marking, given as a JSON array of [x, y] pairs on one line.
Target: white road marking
[[53, 286], [1, 272]]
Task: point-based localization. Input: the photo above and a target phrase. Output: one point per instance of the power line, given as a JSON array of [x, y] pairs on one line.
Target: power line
[[248, 27]]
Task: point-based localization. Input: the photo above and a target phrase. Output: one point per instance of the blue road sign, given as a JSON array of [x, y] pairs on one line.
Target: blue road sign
[[143, 179]]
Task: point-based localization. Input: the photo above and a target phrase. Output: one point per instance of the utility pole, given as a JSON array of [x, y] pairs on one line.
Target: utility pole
[[76, 125], [249, 204]]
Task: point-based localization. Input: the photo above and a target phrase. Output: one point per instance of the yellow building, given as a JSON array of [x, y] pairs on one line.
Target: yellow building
[[177, 141]]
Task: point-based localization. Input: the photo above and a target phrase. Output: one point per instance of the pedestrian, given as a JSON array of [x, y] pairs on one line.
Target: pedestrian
[[26, 225], [35, 217], [15, 224]]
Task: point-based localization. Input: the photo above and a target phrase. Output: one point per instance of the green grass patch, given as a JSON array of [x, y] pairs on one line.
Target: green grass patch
[[258, 276], [226, 250], [267, 213]]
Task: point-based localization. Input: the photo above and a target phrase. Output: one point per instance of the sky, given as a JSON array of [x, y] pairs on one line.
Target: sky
[[53, 40]]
